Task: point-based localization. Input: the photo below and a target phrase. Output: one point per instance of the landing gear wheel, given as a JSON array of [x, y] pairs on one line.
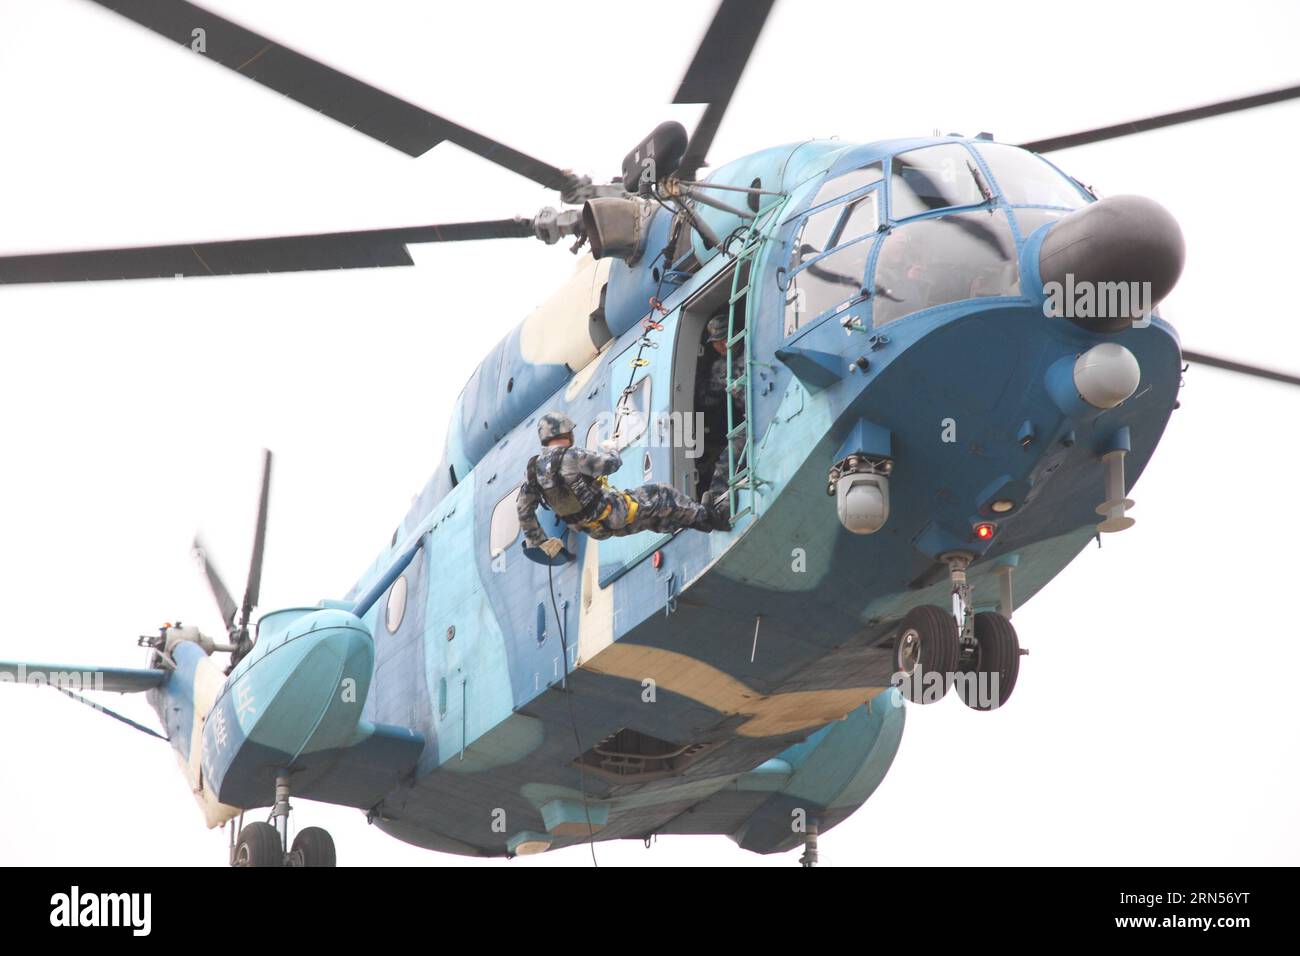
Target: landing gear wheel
[[990, 678], [259, 845], [926, 652], [312, 847]]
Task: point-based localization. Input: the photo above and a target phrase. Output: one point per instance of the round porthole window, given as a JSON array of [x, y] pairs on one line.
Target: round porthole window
[[396, 609]]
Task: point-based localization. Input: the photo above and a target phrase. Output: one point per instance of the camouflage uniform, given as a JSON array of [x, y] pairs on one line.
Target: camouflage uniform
[[658, 507], [711, 401]]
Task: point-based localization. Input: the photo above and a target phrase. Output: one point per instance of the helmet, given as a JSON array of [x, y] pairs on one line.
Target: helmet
[[717, 329], [553, 425]]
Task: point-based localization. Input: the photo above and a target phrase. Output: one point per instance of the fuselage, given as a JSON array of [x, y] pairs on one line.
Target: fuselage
[[729, 683]]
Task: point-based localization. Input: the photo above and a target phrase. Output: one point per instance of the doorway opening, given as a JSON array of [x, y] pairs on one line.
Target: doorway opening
[[702, 404]]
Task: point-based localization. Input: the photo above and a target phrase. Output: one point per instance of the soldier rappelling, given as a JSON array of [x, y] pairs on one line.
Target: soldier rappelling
[[573, 483]]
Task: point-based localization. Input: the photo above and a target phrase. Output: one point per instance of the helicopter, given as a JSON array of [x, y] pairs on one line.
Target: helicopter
[[835, 404]]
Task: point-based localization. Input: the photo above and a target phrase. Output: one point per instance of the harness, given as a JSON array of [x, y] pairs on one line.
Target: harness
[[632, 508]]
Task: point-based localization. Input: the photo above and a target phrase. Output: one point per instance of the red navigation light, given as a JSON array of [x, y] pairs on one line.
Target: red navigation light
[[985, 530]]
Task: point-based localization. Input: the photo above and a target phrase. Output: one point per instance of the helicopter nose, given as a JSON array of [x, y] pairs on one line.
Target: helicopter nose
[[1120, 244]]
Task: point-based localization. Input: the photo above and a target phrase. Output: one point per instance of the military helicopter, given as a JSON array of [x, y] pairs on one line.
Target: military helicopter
[[886, 298]]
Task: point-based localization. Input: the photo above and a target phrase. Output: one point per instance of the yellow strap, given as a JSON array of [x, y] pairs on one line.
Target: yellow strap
[[595, 522], [632, 508]]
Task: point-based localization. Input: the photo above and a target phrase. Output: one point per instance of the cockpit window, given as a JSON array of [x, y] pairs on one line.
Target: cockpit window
[[860, 218], [934, 177], [847, 183], [832, 280], [1028, 220], [835, 226], [1029, 180], [825, 228], [933, 261], [813, 236]]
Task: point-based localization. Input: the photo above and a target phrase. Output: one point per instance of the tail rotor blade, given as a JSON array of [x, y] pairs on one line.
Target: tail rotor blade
[[253, 589], [225, 603]]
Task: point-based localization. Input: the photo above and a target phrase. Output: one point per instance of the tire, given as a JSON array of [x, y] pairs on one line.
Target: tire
[[312, 847], [259, 845], [991, 677], [925, 654]]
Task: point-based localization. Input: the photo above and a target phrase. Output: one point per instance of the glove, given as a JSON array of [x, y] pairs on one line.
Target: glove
[[552, 547], [609, 446]]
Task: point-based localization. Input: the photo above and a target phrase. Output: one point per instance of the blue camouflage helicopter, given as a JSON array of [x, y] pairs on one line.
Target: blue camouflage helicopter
[[950, 370]]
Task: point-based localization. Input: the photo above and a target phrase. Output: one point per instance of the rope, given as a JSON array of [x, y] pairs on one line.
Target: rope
[[111, 713], [573, 718]]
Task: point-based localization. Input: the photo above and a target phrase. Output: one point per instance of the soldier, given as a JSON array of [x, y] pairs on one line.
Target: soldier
[[573, 483], [712, 401]]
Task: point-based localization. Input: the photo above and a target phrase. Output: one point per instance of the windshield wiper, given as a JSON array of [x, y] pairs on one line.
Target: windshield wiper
[[979, 182]]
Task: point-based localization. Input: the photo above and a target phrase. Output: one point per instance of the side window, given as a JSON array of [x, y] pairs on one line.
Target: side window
[[834, 227], [633, 413], [849, 182], [862, 217], [814, 236], [826, 282], [395, 609], [826, 228], [934, 177], [505, 524], [818, 283]]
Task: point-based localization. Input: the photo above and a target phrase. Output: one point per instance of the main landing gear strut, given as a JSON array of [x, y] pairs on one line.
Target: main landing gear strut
[[266, 844], [977, 652]]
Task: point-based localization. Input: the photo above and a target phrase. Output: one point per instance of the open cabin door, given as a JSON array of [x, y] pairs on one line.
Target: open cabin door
[[661, 428]]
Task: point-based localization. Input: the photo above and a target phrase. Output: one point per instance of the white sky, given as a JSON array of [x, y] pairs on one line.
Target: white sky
[[1153, 721]]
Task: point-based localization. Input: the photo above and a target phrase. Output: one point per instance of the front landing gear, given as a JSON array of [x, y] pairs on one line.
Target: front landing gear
[[978, 653], [312, 847], [258, 845], [989, 675], [262, 844], [926, 654]]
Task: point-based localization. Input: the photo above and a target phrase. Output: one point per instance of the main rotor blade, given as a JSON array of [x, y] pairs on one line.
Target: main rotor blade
[[1164, 119], [335, 250], [715, 72], [252, 590], [380, 115], [1240, 367], [225, 603]]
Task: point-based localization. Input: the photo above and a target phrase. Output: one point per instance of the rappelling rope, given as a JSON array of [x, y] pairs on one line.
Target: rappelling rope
[[648, 324], [111, 713], [573, 718]]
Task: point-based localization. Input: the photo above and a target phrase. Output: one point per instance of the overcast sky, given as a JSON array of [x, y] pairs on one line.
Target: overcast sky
[[1154, 720]]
